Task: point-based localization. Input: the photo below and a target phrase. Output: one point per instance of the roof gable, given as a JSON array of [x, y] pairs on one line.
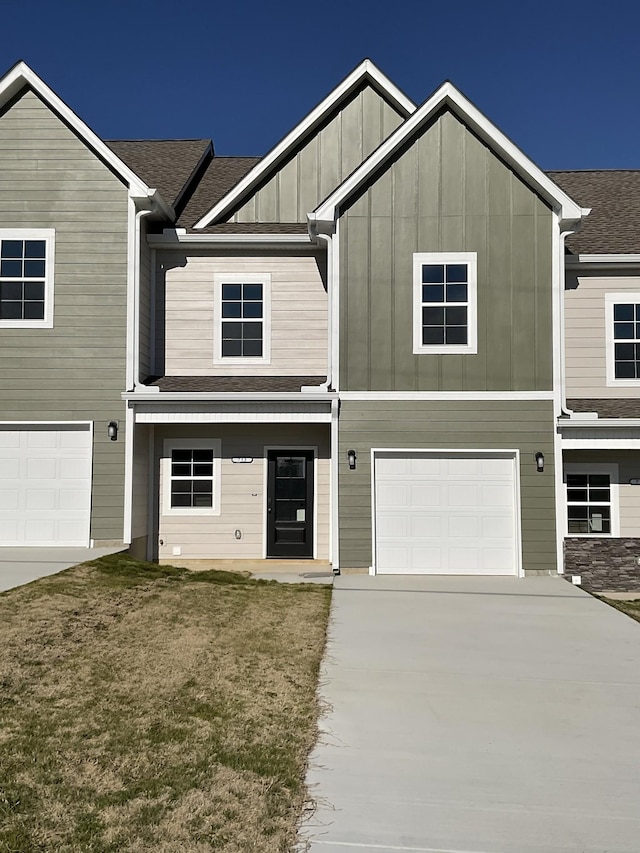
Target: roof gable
[[365, 74], [21, 76], [448, 97]]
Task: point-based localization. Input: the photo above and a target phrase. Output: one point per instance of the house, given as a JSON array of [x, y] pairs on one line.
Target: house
[[365, 349]]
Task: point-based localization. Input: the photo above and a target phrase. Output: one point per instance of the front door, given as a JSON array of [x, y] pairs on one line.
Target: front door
[[290, 504]]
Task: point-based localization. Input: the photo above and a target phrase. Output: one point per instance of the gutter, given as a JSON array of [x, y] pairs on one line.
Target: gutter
[[179, 237], [226, 396]]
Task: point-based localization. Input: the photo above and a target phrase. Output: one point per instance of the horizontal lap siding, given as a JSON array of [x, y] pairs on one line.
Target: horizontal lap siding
[[298, 314], [447, 192], [524, 426], [75, 371], [242, 491], [586, 333], [323, 161]]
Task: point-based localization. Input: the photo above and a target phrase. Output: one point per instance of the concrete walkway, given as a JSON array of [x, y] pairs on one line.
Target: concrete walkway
[[19, 566], [477, 715]]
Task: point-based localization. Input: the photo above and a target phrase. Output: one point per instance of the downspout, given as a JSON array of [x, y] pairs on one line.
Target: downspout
[[328, 241], [134, 380]]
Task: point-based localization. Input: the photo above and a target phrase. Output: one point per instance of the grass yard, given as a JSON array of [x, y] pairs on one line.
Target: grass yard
[[145, 708], [631, 608]]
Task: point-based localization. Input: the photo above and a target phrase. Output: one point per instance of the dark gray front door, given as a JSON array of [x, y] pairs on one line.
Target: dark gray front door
[[290, 504]]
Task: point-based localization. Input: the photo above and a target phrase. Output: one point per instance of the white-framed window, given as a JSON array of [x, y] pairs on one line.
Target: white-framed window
[[242, 311], [191, 476], [444, 303], [592, 499], [26, 277], [622, 317]]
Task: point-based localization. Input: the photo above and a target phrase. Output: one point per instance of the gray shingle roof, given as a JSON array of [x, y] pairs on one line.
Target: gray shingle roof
[[608, 408], [613, 226], [221, 175], [164, 164], [212, 384]]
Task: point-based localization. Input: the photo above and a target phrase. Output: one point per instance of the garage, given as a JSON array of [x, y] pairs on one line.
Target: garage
[[446, 512], [45, 484]]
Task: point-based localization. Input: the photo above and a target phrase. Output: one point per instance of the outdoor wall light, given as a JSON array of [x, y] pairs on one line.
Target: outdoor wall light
[[351, 456], [540, 462], [112, 430]]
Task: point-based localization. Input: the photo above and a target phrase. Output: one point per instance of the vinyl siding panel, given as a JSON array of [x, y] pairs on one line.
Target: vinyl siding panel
[[75, 371], [242, 491], [186, 322], [519, 425], [323, 160], [586, 333], [446, 192]]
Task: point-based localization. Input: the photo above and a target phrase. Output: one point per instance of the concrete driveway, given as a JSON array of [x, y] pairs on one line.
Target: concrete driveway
[[23, 565], [477, 715]]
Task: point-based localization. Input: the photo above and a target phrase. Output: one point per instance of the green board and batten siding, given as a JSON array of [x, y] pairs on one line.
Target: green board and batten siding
[[75, 371], [450, 425], [446, 192], [323, 160]]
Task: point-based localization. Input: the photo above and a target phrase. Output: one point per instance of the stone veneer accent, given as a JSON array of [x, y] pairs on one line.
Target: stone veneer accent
[[604, 564]]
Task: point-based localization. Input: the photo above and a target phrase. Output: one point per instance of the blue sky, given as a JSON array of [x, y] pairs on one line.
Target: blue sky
[[561, 79]]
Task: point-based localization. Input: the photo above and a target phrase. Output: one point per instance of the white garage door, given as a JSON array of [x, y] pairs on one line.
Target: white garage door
[[45, 485], [438, 513]]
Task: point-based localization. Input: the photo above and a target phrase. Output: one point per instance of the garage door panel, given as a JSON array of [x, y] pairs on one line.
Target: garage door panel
[[445, 514], [45, 485]]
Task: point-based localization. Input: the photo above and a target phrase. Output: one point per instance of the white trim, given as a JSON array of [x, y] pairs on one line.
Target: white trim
[[598, 423], [618, 260], [610, 468], [601, 444], [177, 238], [137, 274], [21, 75], [468, 259], [365, 71], [129, 439], [152, 497], [265, 489], [513, 454], [446, 395], [242, 278], [130, 359], [610, 299], [170, 444], [233, 417], [334, 511], [157, 396], [49, 237], [558, 276], [88, 424], [448, 96]]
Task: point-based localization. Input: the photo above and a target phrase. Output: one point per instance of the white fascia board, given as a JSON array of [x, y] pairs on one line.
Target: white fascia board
[[617, 260], [224, 396], [602, 444], [598, 423], [21, 75], [448, 95], [178, 239], [365, 71], [233, 417]]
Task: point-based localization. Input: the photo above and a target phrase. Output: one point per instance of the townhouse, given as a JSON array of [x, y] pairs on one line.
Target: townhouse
[[392, 344]]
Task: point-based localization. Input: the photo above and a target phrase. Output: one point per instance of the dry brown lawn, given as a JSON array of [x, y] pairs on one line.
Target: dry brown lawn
[[144, 708]]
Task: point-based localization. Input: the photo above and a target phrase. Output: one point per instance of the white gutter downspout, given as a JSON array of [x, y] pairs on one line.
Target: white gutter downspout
[[328, 241], [334, 552], [133, 360]]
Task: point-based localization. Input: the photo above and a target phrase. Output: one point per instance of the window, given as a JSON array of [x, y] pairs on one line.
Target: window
[[622, 313], [191, 477], [591, 500], [242, 311], [444, 303], [26, 278]]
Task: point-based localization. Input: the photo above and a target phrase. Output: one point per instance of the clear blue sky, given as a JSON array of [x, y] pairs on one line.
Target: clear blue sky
[[561, 79]]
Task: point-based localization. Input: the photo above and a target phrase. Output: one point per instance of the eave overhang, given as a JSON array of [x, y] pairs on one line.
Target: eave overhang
[[177, 238]]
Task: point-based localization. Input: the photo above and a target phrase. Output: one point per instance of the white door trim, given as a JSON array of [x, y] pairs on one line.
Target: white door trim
[[265, 486], [513, 454]]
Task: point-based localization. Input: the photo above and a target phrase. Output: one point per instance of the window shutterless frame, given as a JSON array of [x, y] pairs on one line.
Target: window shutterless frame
[[27, 258], [622, 320], [592, 499], [191, 476], [445, 303], [242, 318]]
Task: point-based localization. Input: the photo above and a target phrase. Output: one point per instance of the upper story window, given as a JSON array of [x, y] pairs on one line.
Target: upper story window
[[444, 302], [242, 316], [26, 278], [623, 338]]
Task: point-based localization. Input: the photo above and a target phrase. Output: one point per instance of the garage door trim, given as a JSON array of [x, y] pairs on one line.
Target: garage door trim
[[488, 453], [79, 426]]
